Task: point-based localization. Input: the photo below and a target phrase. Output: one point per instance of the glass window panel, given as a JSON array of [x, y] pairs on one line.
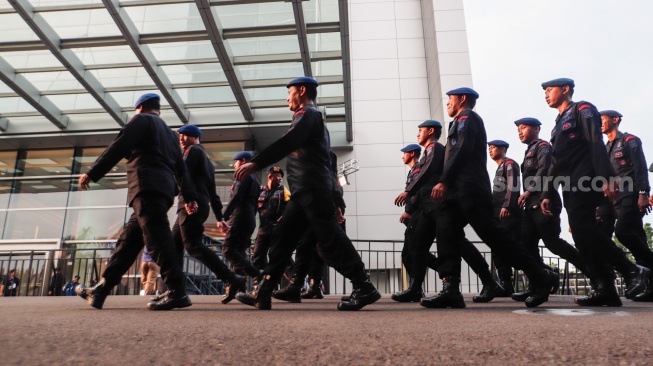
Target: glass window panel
[[207, 95], [208, 72], [330, 90], [94, 224], [263, 45], [13, 28], [126, 99], [254, 15], [165, 18], [58, 80], [39, 193], [324, 42], [33, 224], [321, 11], [69, 102], [88, 157], [221, 155], [5, 192], [30, 59], [63, 2], [7, 165], [271, 71], [15, 104], [90, 121], [46, 162], [105, 55], [275, 93], [331, 67], [5, 89], [124, 76], [108, 191], [182, 50], [82, 23]]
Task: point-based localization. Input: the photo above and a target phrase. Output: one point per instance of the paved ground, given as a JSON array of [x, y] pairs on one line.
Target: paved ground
[[66, 331]]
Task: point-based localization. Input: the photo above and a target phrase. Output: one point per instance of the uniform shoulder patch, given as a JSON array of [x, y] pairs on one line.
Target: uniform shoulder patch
[[543, 143], [584, 106], [299, 113], [631, 137]]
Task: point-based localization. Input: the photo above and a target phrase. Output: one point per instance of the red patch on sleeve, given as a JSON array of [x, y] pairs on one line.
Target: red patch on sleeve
[[299, 112], [543, 143], [629, 138], [583, 107], [461, 119]]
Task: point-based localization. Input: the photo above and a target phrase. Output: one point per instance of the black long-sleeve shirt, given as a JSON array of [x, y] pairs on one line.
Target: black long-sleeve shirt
[[627, 158], [536, 165], [465, 160], [243, 201], [428, 175], [506, 186], [154, 159], [202, 174], [577, 147], [306, 146]]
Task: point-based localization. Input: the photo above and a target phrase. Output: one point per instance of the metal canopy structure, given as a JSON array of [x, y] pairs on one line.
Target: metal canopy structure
[[75, 67]]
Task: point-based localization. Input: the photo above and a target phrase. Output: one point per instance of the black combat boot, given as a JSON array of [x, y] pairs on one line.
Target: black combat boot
[[489, 292], [261, 298], [449, 297], [314, 290], [175, 299], [636, 281], [522, 296], [539, 290], [505, 280], [292, 292], [94, 295], [603, 293], [364, 294], [555, 288], [647, 295], [414, 293], [232, 287], [159, 297]]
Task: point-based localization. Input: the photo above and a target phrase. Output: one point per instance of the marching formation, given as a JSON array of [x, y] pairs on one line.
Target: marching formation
[[447, 188]]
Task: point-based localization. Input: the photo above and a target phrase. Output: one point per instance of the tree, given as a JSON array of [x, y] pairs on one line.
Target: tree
[[648, 229]]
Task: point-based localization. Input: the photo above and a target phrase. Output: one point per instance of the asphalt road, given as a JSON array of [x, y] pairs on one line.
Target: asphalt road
[[67, 331]]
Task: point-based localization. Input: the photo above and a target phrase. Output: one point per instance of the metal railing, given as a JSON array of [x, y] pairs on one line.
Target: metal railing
[[382, 260]]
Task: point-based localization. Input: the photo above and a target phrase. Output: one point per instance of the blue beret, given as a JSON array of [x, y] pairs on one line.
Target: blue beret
[[529, 121], [243, 155], [302, 80], [499, 143], [463, 91], [558, 82], [146, 97], [190, 130], [610, 113], [275, 169], [430, 123], [411, 147]]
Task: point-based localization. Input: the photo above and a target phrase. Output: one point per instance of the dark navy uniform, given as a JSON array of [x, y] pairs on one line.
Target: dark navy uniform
[[241, 216], [505, 193], [627, 158], [468, 200], [188, 229], [535, 224], [271, 203], [578, 154]]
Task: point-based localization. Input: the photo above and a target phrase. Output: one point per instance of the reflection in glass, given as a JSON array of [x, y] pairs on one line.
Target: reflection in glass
[[330, 67], [205, 72], [30, 59], [324, 42], [56, 80], [31, 224], [165, 18], [271, 71], [40, 193], [255, 15], [221, 94], [221, 155], [15, 104], [108, 191], [46, 162], [182, 50], [94, 224], [263, 45], [74, 101], [275, 93], [13, 28], [7, 164], [105, 55], [124, 76], [321, 11], [82, 23], [90, 154]]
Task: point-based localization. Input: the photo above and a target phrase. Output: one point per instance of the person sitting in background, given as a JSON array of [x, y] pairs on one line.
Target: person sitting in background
[[69, 289]]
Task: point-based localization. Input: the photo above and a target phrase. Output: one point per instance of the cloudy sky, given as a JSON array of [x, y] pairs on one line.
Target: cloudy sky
[[605, 46]]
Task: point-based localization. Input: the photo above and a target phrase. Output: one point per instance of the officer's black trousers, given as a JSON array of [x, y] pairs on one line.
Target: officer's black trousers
[[147, 226], [187, 233], [455, 214], [409, 245], [598, 251], [307, 259], [314, 210], [630, 230], [236, 244], [536, 225], [512, 225], [261, 248], [425, 232]]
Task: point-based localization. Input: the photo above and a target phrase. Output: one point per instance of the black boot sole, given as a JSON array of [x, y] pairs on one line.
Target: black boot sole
[[597, 302], [169, 304], [362, 302], [234, 288], [444, 302]]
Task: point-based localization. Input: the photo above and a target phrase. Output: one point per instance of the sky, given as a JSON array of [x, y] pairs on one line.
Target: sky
[[605, 46]]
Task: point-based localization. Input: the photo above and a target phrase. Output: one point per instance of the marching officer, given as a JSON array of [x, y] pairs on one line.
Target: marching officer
[[505, 193], [579, 156], [240, 220], [464, 193], [535, 225], [627, 158], [306, 146], [271, 202]]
